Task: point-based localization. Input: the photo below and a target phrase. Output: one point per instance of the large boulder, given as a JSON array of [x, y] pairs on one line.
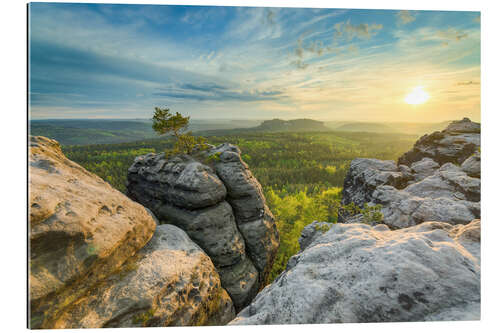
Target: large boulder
[[365, 174], [97, 261], [454, 144], [214, 197], [358, 273], [80, 230], [169, 282], [432, 186]]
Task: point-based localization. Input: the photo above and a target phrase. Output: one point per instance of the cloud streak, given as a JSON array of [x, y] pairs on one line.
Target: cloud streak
[[405, 17], [215, 92], [349, 31], [260, 62]]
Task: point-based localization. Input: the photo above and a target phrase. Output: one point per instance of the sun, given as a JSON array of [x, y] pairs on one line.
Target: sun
[[417, 96]]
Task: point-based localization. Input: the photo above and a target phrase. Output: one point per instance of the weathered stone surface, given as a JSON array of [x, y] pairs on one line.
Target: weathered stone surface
[[212, 228], [363, 177], [81, 230], [169, 282], [402, 209], [358, 273], [472, 165], [454, 144], [311, 232], [424, 168], [241, 281], [214, 197], [254, 219], [181, 181], [432, 188]]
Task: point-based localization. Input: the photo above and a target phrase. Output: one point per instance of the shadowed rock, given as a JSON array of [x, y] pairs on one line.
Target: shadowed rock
[[214, 197], [254, 219]]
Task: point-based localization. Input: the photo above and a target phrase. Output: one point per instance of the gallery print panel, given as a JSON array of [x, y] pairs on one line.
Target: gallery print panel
[[217, 165]]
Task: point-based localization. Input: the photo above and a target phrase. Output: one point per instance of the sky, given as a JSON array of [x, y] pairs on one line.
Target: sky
[[120, 61]]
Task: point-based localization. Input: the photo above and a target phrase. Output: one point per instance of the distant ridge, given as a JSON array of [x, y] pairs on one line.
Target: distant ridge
[[365, 127], [386, 127], [296, 125]]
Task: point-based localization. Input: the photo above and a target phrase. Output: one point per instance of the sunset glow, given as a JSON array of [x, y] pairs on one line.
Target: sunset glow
[[253, 63], [417, 96]]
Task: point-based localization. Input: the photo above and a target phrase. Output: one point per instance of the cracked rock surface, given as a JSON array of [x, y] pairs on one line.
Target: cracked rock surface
[[358, 273], [438, 180], [215, 198], [98, 259]]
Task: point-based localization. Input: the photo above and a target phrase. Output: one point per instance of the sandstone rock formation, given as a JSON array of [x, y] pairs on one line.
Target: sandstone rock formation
[[214, 197], [455, 144], [358, 273], [438, 180], [169, 282], [92, 263]]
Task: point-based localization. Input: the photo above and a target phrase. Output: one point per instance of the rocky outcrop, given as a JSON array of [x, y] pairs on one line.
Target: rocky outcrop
[[454, 144], [169, 282], [81, 230], [358, 273], [439, 182], [214, 197], [96, 260]]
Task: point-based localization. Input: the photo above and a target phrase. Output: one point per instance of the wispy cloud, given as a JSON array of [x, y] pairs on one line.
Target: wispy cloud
[[405, 17], [216, 92], [121, 60], [349, 31], [467, 83]]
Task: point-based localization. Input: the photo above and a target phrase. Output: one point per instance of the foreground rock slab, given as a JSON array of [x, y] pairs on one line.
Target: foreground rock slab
[[169, 282], [359, 273], [98, 259], [81, 230]]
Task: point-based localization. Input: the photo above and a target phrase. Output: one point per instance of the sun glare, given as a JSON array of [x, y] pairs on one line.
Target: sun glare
[[417, 96]]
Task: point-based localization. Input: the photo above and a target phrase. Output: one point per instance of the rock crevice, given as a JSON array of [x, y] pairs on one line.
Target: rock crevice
[[214, 197], [98, 259]]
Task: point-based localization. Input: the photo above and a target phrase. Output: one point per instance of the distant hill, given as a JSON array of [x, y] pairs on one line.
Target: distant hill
[[365, 127], [104, 131], [92, 131], [274, 125], [296, 125], [387, 127]]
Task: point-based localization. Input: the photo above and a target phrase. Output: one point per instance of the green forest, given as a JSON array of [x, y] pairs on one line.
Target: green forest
[[302, 174]]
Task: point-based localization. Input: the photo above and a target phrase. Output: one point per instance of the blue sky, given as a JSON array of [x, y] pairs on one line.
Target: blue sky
[[119, 61]]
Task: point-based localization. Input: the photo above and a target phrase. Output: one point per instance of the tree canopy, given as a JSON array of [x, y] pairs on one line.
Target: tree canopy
[[165, 122]]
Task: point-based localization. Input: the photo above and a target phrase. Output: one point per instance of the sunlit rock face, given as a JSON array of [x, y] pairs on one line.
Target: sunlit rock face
[[97, 258], [81, 230], [169, 282], [438, 180], [359, 273], [214, 197]]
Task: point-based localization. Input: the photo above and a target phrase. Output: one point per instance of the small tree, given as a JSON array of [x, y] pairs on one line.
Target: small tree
[[165, 122]]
